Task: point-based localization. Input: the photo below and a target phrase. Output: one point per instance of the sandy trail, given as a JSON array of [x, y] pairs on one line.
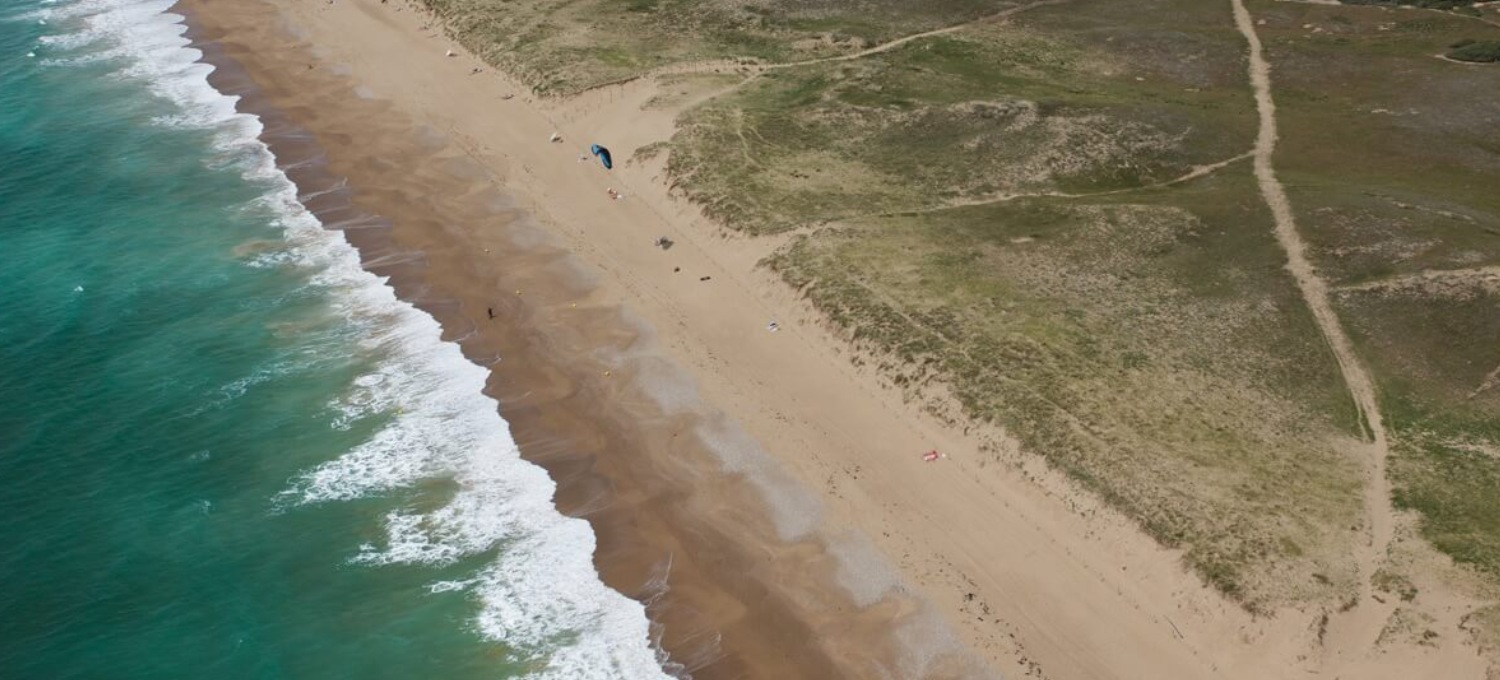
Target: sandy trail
[[1412, 8], [1467, 277], [755, 70], [888, 46], [1356, 630], [1195, 173]]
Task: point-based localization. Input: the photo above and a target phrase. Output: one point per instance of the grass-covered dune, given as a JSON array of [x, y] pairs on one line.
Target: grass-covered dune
[[1393, 163]]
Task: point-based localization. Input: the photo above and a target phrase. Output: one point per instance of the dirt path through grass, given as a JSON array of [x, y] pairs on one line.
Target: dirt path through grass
[[1432, 278], [1478, 5], [888, 46], [1357, 628], [1195, 173], [756, 70]]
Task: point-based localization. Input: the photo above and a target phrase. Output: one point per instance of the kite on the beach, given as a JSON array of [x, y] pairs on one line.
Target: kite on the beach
[[603, 155]]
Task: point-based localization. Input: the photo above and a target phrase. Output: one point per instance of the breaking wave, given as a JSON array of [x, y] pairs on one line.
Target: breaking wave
[[536, 589]]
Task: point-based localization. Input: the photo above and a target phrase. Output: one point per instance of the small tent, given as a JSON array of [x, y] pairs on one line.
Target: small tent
[[603, 156]]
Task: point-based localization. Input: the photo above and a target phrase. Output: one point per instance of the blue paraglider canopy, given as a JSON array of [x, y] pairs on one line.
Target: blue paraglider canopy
[[603, 155]]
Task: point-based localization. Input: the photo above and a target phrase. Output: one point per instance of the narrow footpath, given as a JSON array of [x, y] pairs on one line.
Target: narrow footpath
[[1357, 629]]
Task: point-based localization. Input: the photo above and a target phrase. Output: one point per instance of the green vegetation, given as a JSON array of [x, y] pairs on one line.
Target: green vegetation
[[999, 217], [1483, 51], [1454, 484], [951, 118], [1391, 164], [997, 233], [1109, 337], [565, 46], [1394, 583]]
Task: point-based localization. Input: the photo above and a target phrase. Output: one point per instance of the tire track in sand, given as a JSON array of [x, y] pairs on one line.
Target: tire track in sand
[[1357, 629]]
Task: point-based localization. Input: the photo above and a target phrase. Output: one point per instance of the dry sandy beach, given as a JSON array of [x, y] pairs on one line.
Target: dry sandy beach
[[765, 495]]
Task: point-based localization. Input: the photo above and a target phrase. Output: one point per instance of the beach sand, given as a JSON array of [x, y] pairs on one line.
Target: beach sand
[[733, 593], [763, 494]]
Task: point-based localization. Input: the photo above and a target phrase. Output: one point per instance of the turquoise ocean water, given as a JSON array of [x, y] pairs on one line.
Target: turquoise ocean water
[[225, 450]]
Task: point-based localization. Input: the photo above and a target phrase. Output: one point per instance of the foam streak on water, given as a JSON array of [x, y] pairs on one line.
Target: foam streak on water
[[538, 593]]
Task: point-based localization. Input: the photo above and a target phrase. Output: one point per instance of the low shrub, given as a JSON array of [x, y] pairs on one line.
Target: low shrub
[[1484, 51]]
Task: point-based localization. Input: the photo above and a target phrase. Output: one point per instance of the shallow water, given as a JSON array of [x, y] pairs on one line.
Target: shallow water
[[226, 451]]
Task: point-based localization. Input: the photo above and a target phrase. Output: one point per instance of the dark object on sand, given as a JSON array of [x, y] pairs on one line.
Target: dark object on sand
[[704, 278], [663, 242], [603, 155]]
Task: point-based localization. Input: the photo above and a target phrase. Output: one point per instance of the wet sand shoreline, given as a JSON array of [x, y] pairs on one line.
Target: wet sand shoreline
[[727, 595]]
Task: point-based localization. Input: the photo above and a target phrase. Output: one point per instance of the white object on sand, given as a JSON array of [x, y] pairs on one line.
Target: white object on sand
[[451, 53], [555, 138]]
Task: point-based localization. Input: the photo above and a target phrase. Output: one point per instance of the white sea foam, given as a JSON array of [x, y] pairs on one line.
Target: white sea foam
[[538, 593]]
